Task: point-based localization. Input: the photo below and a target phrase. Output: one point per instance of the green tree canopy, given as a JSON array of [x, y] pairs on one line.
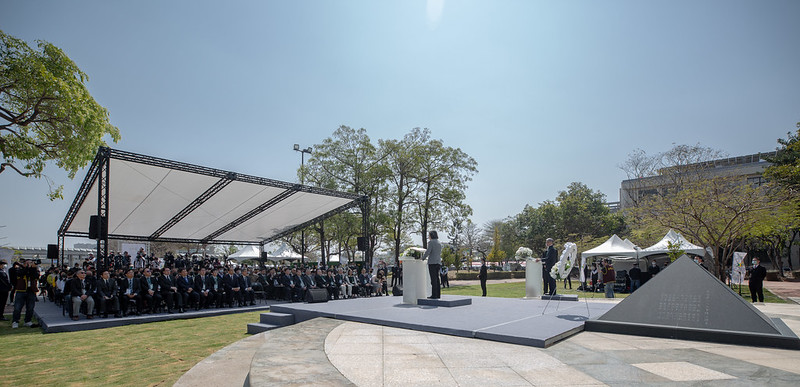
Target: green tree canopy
[[785, 168], [46, 112]]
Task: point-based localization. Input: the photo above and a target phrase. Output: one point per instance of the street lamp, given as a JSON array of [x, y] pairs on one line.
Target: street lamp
[[302, 174]]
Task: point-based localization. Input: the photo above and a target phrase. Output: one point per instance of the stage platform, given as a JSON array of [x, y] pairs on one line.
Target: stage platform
[[534, 323], [51, 320]]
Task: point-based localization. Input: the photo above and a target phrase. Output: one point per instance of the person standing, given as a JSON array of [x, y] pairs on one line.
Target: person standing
[[434, 256], [549, 259], [482, 276], [636, 277], [609, 278], [445, 280], [653, 269], [5, 287], [756, 282], [25, 280]]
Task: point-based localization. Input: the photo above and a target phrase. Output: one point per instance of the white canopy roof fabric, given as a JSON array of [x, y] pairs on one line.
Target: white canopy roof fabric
[[153, 199], [662, 246], [248, 252], [613, 247]]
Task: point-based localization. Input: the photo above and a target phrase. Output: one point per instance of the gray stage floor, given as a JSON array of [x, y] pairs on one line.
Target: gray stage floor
[[527, 322], [49, 315]]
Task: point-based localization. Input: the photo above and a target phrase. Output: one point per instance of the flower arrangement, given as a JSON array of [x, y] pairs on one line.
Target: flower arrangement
[[523, 253], [555, 273], [413, 252]]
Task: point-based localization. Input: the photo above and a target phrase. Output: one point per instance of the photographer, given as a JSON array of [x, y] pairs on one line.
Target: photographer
[[24, 278]]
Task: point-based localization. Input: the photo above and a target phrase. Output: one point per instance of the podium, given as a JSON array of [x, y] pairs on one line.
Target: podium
[[416, 280], [533, 278]]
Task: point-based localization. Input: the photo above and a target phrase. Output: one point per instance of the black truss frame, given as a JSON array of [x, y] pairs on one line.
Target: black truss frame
[[99, 171]]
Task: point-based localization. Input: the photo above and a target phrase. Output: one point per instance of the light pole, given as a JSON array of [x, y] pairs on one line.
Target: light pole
[[302, 174]]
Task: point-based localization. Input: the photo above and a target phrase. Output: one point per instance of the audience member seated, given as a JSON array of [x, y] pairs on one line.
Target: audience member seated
[[129, 293], [80, 290], [169, 290], [364, 283], [150, 295], [106, 294], [352, 283], [248, 294], [334, 285], [232, 288], [186, 291]]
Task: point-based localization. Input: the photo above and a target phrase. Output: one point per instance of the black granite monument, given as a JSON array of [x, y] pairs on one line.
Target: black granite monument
[[686, 302]]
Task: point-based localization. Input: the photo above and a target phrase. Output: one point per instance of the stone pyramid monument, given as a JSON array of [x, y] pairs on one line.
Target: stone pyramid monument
[[686, 302]]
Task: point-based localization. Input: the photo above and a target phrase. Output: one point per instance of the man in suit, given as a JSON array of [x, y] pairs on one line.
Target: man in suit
[[232, 288], [549, 259], [483, 275], [756, 283], [365, 282], [215, 287], [248, 294], [186, 290], [150, 295], [129, 293], [202, 289], [80, 290], [434, 256], [107, 295], [291, 289], [307, 281], [169, 290]]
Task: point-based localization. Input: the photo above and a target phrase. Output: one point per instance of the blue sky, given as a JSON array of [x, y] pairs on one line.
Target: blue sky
[[539, 93]]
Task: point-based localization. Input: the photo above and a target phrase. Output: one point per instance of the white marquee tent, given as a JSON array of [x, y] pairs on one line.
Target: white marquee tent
[[614, 247], [662, 246], [248, 252], [284, 253]]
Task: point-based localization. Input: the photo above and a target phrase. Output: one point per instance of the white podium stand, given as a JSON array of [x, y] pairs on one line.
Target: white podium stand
[[533, 278], [416, 280]]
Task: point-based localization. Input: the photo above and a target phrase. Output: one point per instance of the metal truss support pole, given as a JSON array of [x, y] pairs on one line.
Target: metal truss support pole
[[103, 178]]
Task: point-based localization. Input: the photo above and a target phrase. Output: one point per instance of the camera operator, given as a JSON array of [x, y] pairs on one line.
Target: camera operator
[[24, 278]]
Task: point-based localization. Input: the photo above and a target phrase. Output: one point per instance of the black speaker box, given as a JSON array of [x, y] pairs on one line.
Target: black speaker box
[[397, 291], [52, 251], [98, 227], [362, 243], [316, 295], [264, 255]]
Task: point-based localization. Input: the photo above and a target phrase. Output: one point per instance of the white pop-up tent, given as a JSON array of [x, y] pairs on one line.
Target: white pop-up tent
[[662, 246], [614, 248], [284, 253], [248, 252]]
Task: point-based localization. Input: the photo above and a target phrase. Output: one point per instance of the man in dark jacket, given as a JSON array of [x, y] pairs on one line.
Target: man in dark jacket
[[5, 287], [549, 259], [81, 291], [756, 283], [106, 294], [482, 276], [130, 292], [24, 279]]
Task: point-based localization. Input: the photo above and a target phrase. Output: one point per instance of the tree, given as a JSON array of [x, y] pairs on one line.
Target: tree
[[403, 160], [46, 112], [443, 176], [785, 168], [349, 161], [690, 196], [496, 254]]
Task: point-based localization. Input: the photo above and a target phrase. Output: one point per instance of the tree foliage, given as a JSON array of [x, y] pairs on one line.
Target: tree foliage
[[785, 168], [46, 112]]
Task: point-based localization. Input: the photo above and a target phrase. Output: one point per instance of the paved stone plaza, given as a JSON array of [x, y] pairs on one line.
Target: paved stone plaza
[[332, 352]]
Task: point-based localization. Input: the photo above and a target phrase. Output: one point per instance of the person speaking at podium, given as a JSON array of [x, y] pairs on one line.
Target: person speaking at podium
[[434, 256]]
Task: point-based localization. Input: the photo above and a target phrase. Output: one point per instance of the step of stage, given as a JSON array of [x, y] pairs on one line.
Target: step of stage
[[448, 302], [561, 297], [255, 328], [279, 319]]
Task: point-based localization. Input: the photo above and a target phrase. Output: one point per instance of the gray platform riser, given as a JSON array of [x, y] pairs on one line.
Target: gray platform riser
[[279, 319], [254, 328]]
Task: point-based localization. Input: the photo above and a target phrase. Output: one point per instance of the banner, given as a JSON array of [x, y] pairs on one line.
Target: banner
[[738, 269]]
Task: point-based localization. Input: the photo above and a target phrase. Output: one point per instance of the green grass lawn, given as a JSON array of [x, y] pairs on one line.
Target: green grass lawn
[[153, 354], [517, 290]]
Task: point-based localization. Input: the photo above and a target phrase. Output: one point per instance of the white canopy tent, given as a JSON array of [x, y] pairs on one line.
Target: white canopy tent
[[284, 253], [248, 252], [614, 248], [662, 246], [145, 198]]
